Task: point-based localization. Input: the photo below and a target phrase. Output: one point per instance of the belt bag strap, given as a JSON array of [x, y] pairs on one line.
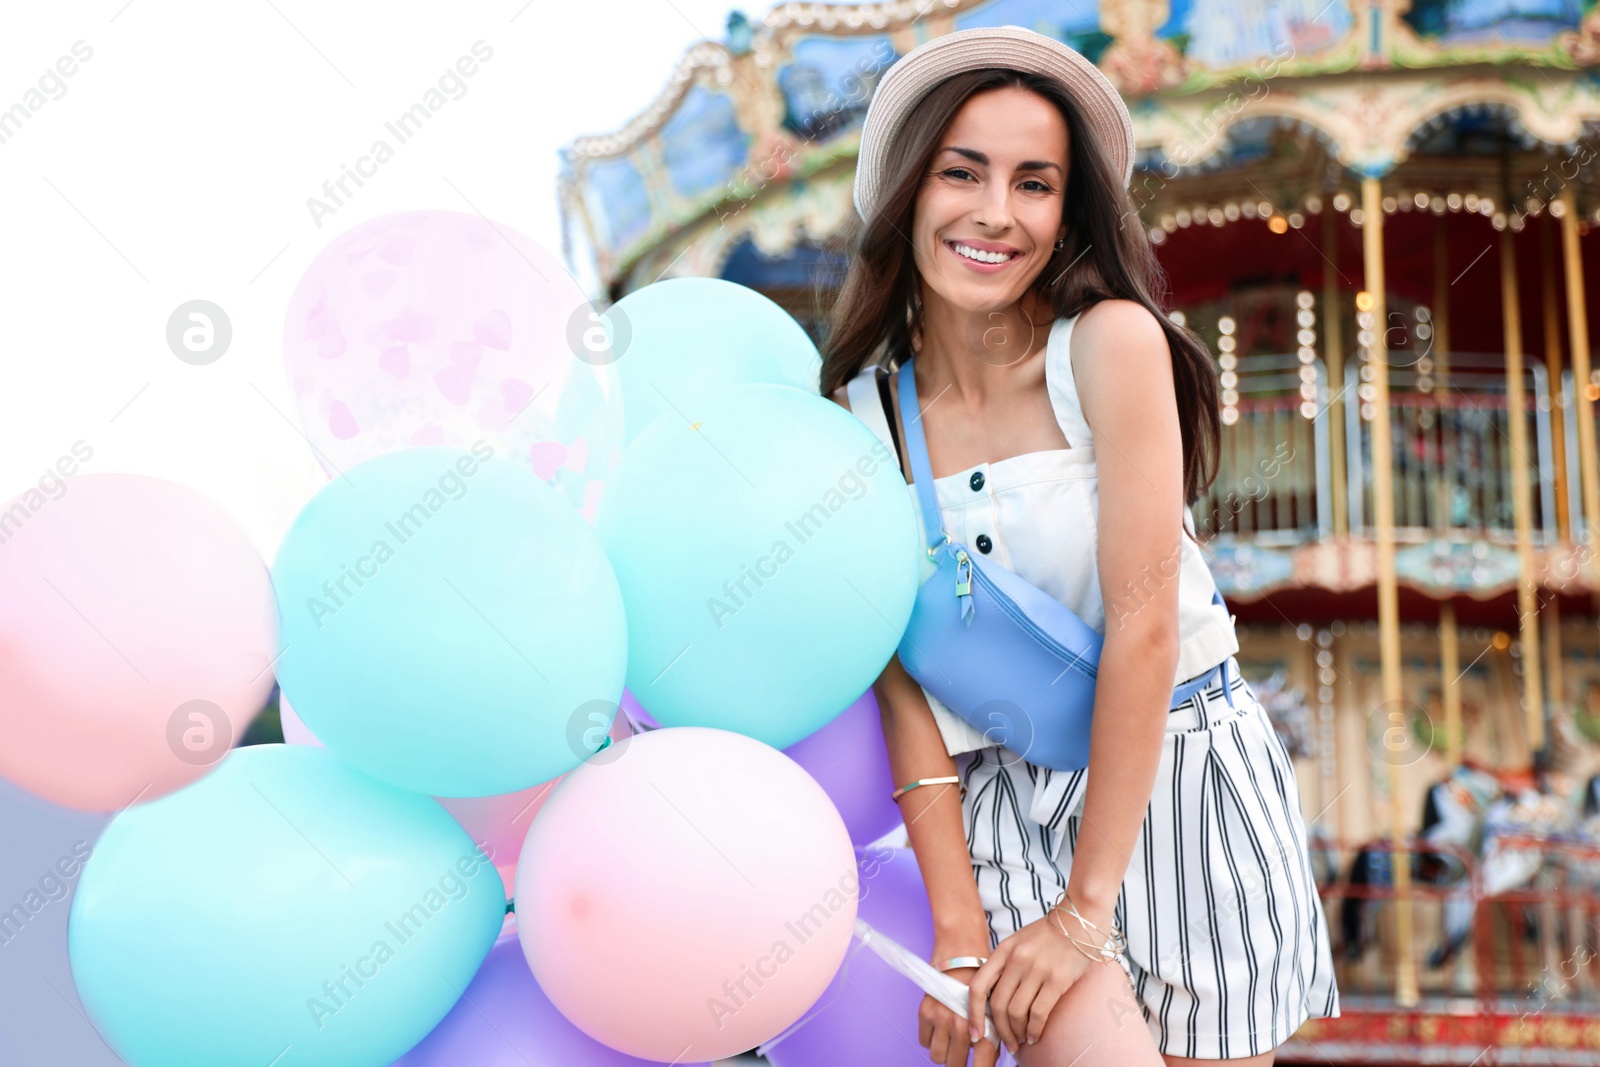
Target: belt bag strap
[[934, 534], [917, 449]]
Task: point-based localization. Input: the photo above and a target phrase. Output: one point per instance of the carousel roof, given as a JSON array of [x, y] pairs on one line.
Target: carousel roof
[[772, 113]]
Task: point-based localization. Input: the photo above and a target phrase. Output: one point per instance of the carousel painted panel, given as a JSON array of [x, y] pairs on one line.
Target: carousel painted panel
[[827, 83], [1563, 33], [702, 147], [1078, 26], [616, 201]]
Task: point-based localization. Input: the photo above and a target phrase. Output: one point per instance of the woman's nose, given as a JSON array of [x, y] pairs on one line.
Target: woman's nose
[[995, 211]]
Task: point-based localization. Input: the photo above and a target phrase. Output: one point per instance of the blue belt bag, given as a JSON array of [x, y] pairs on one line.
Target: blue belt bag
[[997, 650]]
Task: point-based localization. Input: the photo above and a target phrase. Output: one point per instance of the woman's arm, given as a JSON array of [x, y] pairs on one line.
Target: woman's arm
[[1130, 403], [932, 812], [938, 837]]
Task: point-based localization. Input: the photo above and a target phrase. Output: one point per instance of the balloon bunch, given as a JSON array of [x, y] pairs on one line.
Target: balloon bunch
[[574, 649]]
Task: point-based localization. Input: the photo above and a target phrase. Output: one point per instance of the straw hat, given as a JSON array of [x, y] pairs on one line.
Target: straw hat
[[914, 74]]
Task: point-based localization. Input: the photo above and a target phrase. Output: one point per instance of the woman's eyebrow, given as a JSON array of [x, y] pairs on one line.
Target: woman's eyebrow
[[978, 157]]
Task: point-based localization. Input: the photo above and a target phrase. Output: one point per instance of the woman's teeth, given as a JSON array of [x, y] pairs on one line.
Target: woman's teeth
[[982, 257]]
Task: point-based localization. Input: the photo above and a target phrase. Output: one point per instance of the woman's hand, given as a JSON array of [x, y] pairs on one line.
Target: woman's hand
[[1029, 972], [941, 1031]]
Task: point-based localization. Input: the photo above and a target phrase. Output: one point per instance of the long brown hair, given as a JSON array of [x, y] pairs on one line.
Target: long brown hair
[[1106, 254]]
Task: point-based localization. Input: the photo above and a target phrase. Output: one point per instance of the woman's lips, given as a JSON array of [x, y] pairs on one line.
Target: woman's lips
[[979, 265]]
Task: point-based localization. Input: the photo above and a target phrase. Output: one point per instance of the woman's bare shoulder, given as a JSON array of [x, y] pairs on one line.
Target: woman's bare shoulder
[[1121, 318], [1129, 329], [841, 397]]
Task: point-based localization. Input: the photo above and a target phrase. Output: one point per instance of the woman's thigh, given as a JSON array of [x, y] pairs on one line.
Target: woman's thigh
[[1098, 1022]]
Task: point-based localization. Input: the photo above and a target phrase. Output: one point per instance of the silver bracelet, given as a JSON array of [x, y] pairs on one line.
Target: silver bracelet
[[957, 962]]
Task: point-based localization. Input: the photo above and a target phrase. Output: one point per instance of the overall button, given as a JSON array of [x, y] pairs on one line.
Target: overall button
[[984, 544], [976, 481]]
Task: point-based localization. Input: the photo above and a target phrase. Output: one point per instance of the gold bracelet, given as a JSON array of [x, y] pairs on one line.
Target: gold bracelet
[[1114, 945], [1103, 954], [1116, 939], [947, 780]]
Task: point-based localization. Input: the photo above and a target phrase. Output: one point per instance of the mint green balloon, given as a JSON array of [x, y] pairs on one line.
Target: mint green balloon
[[286, 901], [678, 339], [767, 553], [449, 623]]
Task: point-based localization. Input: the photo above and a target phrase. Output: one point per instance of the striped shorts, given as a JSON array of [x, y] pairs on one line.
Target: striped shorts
[[1227, 942]]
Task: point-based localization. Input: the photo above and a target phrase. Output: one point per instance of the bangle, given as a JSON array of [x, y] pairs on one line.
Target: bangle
[[1100, 954], [951, 779], [1114, 945], [957, 962]]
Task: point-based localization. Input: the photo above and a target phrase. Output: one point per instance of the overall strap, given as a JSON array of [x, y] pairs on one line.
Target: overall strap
[[917, 449]]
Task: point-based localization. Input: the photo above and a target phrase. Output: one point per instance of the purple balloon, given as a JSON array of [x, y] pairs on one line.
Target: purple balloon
[[848, 757], [867, 1017], [636, 712], [505, 1020]]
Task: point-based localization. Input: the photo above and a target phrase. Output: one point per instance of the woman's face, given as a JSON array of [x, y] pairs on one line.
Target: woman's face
[[989, 210]]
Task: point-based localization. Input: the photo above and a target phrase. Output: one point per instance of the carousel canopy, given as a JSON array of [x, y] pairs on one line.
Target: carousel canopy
[[752, 142]]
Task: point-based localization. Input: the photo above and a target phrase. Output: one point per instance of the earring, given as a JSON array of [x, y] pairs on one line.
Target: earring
[[1060, 243]]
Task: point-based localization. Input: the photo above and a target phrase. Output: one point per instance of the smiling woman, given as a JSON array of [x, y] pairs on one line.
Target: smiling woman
[[1067, 426]]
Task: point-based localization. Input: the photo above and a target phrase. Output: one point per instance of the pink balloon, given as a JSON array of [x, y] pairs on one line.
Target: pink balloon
[[688, 898], [443, 328], [499, 823], [137, 633]]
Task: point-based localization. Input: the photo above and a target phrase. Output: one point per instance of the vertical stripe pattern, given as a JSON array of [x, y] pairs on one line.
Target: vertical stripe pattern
[[1227, 941]]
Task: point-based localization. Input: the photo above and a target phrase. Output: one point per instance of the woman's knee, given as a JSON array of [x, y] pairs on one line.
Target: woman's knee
[[1098, 1021]]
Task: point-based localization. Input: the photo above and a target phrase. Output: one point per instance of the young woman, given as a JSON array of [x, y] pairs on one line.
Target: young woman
[[1069, 424]]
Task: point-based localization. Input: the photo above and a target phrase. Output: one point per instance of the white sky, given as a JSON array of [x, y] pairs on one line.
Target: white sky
[[177, 164]]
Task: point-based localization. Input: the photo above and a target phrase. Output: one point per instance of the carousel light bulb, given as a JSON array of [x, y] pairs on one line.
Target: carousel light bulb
[[1226, 324], [1304, 298]]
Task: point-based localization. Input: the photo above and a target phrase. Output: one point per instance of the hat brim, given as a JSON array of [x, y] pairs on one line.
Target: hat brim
[[1012, 47]]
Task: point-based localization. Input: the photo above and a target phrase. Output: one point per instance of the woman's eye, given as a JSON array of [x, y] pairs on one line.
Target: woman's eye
[[1042, 187], [953, 171]]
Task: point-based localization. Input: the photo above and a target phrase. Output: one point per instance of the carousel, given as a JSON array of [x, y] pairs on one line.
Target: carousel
[[1378, 216]]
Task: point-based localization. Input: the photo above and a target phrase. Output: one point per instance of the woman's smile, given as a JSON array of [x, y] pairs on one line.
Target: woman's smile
[[982, 256]]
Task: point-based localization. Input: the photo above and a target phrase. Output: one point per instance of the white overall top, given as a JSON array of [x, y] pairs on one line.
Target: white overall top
[[1041, 513]]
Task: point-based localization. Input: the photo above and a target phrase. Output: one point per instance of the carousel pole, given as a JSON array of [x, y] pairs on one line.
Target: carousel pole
[[1553, 674], [1388, 588], [1578, 338], [1449, 670], [1527, 580], [1552, 361], [1333, 359]]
